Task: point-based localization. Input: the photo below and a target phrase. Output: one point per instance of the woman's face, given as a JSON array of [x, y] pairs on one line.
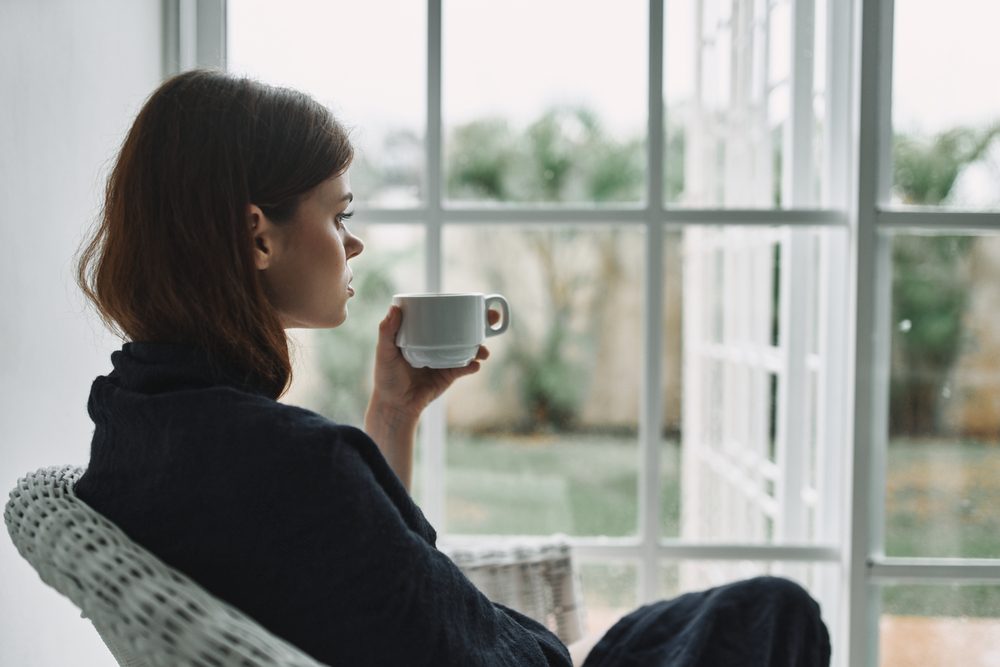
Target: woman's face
[[303, 263]]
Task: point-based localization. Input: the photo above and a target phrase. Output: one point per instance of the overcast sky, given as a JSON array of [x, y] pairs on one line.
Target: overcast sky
[[366, 59]]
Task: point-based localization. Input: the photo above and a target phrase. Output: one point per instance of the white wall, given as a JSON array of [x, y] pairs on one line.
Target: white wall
[[73, 74]]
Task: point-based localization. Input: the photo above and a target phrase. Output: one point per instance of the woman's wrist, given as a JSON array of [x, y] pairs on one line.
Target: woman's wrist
[[389, 416], [394, 431]]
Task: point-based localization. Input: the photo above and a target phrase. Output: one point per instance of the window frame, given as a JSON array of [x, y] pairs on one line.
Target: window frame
[[856, 200], [873, 219]]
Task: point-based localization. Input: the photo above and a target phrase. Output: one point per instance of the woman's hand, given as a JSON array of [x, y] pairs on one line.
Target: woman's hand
[[404, 390]]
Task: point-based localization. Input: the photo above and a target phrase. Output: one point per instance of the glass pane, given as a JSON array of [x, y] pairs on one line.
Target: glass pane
[[333, 367], [671, 372], [544, 102], [943, 476], [729, 105], [380, 96], [946, 110], [544, 438], [740, 344], [609, 592], [939, 625], [678, 577]]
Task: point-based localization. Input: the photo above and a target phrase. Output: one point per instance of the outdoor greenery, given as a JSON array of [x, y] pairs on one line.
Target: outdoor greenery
[[562, 479], [588, 485], [930, 287], [564, 156], [925, 169]]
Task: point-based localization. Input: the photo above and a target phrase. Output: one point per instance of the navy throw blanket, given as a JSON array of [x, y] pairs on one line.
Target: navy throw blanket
[[765, 621]]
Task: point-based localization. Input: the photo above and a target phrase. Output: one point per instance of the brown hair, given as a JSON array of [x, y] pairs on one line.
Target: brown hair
[[173, 247]]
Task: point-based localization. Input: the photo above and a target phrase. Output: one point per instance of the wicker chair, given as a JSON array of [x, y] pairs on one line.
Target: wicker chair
[[148, 613]]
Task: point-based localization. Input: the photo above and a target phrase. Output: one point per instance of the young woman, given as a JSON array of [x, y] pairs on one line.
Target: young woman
[[224, 224]]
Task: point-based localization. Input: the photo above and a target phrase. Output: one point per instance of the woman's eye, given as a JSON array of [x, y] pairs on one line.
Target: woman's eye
[[344, 216]]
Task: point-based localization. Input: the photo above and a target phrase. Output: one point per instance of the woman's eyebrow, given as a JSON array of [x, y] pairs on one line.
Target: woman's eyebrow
[[348, 197]]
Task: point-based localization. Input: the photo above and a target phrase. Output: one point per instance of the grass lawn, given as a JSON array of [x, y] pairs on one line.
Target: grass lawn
[[575, 484], [942, 499]]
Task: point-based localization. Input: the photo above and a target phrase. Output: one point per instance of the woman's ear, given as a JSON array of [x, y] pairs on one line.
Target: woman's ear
[[262, 230]]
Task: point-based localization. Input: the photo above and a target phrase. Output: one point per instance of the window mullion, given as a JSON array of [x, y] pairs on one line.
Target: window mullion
[[194, 35], [651, 416], [795, 290], [874, 23], [798, 149], [946, 570], [582, 216], [838, 109], [433, 429], [937, 219]]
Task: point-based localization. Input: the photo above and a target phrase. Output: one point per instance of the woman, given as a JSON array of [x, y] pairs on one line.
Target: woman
[[224, 225]]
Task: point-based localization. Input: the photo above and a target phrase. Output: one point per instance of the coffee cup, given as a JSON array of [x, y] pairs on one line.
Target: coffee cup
[[446, 330]]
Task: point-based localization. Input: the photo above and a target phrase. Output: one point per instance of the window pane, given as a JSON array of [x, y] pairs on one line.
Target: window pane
[[741, 345], [544, 102], [678, 577], [609, 592], [379, 95], [730, 109], [943, 479], [946, 110], [544, 438], [939, 624]]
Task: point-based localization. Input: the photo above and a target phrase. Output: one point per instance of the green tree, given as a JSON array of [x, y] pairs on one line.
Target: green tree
[[930, 277], [563, 156], [925, 170], [480, 157]]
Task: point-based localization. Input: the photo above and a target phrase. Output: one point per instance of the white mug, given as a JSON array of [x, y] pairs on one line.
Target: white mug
[[446, 330]]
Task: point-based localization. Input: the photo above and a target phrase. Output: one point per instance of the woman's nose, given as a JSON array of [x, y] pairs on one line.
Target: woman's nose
[[355, 246]]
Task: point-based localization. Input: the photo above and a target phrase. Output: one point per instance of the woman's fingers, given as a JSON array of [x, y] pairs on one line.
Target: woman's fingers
[[492, 316], [467, 370], [483, 353], [389, 325]]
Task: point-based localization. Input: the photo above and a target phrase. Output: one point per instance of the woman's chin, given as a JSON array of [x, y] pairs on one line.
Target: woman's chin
[[339, 318]]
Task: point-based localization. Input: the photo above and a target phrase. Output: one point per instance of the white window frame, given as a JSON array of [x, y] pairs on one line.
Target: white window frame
[[857, 200], [871, 220]]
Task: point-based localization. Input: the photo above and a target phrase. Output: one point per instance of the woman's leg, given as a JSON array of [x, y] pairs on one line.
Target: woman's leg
[[760, 622]]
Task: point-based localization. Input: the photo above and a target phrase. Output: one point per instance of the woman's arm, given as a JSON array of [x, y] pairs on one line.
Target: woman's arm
[[394, 433], [380, 594], [402, 392]]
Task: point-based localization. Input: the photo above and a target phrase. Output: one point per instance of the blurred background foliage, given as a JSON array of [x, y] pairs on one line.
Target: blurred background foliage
[[930, 286], [564, 156], [567, 156]]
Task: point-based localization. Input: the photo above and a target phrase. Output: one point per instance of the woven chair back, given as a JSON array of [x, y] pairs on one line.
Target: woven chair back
[[148, 613]]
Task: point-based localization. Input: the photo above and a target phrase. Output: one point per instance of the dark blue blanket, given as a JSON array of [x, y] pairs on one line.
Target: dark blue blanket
[[762, 621]]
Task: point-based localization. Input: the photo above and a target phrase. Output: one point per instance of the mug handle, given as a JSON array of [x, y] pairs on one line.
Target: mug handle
[[504, 314]]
